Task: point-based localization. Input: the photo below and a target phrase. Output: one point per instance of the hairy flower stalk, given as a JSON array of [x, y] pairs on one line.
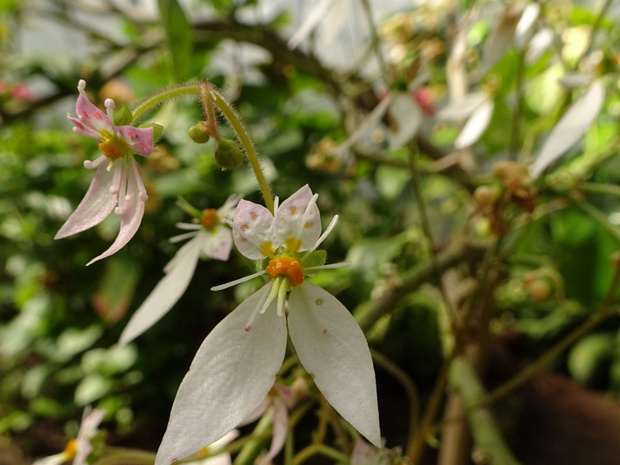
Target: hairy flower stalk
[[236, 366], [117, 184]]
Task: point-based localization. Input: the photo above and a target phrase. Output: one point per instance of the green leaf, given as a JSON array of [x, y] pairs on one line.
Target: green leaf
[[179, 37]]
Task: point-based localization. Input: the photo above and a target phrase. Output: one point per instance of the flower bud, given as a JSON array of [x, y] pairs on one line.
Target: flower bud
[[228, 156], [199, 133]]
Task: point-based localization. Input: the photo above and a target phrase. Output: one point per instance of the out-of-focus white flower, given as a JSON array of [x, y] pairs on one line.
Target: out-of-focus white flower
[[79, 448], [210, 236], [236, 365]]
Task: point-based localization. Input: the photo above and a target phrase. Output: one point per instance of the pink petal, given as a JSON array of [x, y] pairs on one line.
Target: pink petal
[[131, 213], [333, 349], [140, 139], [83, 130], [217, 243], [298, 220], [253, 229], [96, 204], [280, 430], [91, 116]]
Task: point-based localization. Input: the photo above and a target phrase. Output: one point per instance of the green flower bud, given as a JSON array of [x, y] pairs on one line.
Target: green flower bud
[[228, 156], [199, 133]]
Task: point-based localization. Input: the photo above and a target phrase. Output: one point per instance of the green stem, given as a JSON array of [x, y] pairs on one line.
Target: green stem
[[598, 188], [125, 456], [163, 96], [233, 119], [314, 449], [235, 122], [597, 216]]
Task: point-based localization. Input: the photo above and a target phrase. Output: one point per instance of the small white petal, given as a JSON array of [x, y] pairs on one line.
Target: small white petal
[[253, 229], [217, 243], [297, 224], [333, 349], [179, 273], [228, 379], [571, 127]]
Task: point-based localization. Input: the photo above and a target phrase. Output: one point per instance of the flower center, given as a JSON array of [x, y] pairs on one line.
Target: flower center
[[285, 266], [209, 218], [71, 449], [113, 146]]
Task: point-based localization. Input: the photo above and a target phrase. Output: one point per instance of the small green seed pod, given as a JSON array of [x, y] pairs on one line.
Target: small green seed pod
[[199, 133], [228, 156]]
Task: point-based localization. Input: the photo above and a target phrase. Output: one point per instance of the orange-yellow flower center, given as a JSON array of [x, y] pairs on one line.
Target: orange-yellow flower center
[[209, 216], [285, 266], [113, 146], [71, 449]]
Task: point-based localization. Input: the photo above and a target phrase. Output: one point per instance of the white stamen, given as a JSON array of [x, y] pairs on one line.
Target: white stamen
[[182, 237], [276, 204], [276, 285], [116, 181], [330, 266], [138, 177], [188, 226], [122, 190], [109, 107], [221, 287], [281, 296], [326, 233]]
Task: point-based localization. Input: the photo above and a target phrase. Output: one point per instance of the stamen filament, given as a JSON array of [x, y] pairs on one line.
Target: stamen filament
[[326, 233], [221, 287]]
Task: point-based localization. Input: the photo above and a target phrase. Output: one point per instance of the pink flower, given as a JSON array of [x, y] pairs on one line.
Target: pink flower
[[117, 182]]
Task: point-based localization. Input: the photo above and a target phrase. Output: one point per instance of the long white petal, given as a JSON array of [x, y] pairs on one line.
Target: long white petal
[[166, 293], [571, 127], [96, 204], [333, 349], [131, 211], [228, 379]]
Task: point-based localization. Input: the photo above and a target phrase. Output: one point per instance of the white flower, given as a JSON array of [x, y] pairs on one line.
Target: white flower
[[211, 236], [237, 363], [79, 448]]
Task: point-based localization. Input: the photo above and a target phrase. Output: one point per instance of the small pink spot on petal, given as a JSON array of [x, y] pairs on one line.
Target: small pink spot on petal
[[244, 227], [247, 329], [324, 331], [293, 210], [254, 216], [98, 116]]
